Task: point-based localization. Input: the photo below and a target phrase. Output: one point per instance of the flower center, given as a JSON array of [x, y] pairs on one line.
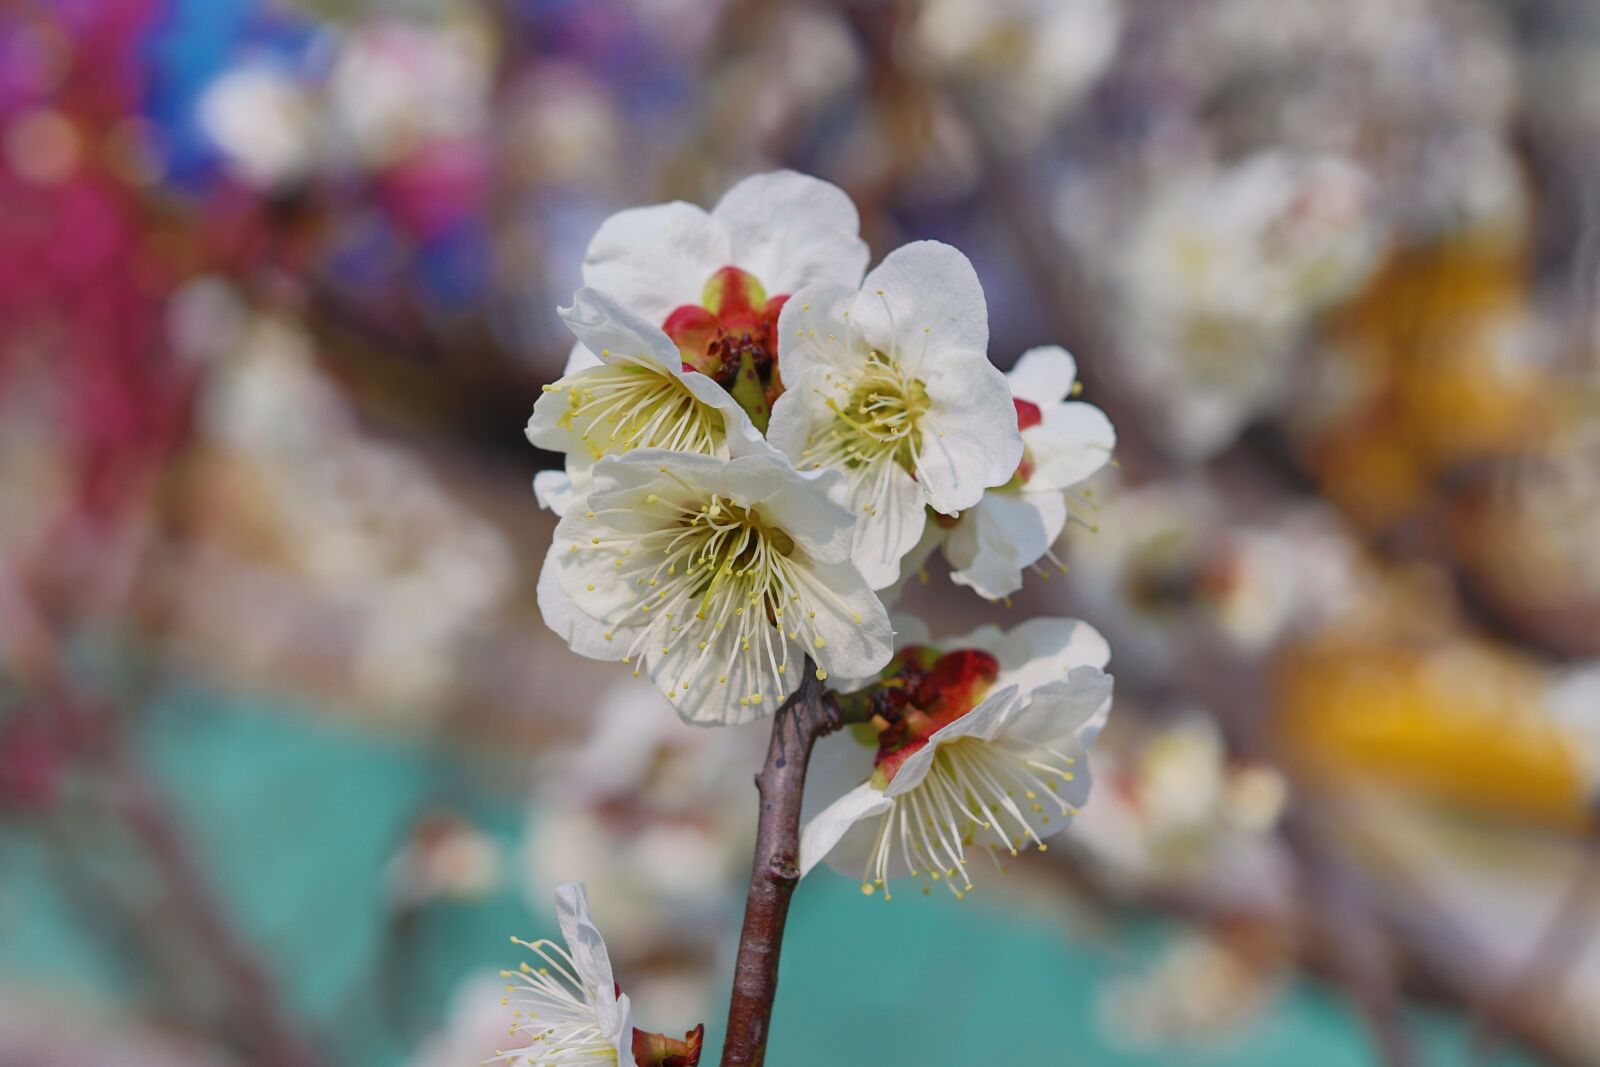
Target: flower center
[[731, 337], [877, 422], [923, 692], [975, 791], [632, 403], [717, 583], [555, 1014]]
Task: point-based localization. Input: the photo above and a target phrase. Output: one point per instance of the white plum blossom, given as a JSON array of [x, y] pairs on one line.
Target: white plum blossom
[[715, 577], [680, 302], [1013, 527], [891, 385], [783, 230], [635, 394], [985, 746], [568, 1007]]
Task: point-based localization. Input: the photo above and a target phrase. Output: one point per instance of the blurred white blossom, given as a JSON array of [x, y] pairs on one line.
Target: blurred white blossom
[[1220, 275]]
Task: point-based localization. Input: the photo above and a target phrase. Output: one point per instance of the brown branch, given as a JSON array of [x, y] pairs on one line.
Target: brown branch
[[274, 1038], [809, 714]]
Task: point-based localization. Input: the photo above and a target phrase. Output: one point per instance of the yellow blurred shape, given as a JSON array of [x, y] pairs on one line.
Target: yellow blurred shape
[[1459, 721], [1427, 376]]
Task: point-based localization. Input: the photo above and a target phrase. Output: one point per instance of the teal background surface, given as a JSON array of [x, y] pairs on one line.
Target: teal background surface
[[922, 980]]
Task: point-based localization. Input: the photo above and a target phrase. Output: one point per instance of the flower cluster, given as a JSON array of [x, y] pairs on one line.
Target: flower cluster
[[761, 440]]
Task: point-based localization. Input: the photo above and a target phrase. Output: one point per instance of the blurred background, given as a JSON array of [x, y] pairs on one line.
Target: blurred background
[[286, 752]]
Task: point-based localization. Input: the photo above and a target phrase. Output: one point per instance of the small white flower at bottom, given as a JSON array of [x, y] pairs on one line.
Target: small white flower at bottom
[[567, 1007]]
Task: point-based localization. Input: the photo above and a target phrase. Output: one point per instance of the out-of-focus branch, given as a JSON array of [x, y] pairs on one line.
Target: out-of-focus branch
[[86, 731], [1359, 954], [1564, 940], [809, 714], [149, 822]]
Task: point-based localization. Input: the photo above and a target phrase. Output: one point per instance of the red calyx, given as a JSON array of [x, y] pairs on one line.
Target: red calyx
[[736, 319], [1028, 413], [926, 692]]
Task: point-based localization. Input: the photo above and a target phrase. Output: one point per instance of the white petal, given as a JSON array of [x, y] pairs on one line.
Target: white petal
[[1004, 533], [828, 827], [602, 321], [791, 230], [913, 566], [580, 358], [1058, 717], [890, 516], [909, 630], [1047, 649], [1071, 443], [1043, 375], [584, 944], [970, 440], [742, 436], [583, 569], [712, 672], [656, 259], [693, 680], [850, 619], [604, 325], [813, 332], [839, 762], [921, 303], [806, 506], [581, 631], [553, 490], [1066, 711], [620, 1031], [983, 722]]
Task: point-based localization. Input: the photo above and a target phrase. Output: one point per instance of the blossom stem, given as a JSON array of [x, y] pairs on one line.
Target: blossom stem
[[809, 714]]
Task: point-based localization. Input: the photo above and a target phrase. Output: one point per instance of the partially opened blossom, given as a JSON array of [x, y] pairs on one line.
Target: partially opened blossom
[[637, 393], [1012, 528], [568, 1009], [891, 386], [974, 743], [716, 281], [716, 577]]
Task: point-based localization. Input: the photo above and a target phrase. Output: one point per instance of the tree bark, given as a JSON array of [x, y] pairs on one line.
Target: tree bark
[[809, 714]]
